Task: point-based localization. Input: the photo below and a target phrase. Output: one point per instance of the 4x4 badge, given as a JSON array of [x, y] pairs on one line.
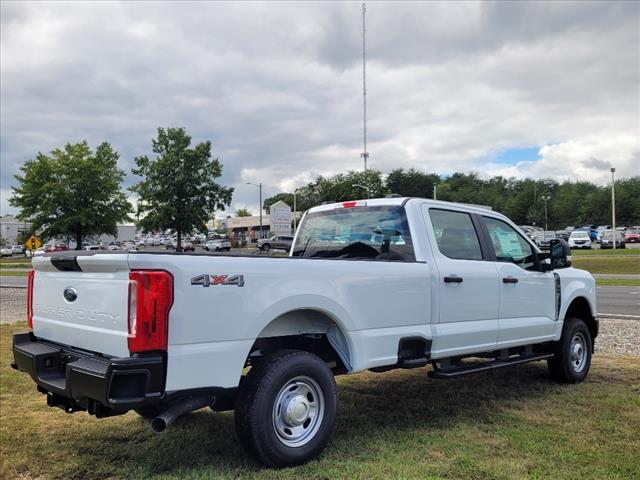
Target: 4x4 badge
[[207, 280]]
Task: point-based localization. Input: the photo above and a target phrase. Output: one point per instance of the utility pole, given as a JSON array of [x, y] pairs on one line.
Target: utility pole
[[295, 211], [435, 191], [613, 205], [259, 185], [364, 154]]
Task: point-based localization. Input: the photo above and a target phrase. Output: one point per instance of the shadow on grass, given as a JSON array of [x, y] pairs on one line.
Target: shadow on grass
[[371, 407]]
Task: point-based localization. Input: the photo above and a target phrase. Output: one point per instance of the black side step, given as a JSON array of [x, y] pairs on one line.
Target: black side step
[[482, 367]]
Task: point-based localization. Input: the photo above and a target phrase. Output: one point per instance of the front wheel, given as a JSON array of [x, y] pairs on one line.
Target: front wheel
[[573, 353], [286, 407]]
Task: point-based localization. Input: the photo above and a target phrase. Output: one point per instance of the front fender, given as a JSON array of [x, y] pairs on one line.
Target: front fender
[[576, 283]]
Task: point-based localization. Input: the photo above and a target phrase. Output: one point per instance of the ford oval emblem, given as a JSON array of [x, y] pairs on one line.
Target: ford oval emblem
[[70, 294]]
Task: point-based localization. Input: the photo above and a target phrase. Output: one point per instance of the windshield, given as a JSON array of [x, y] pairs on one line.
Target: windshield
[[366, 233], [575, 234], [608, 235]]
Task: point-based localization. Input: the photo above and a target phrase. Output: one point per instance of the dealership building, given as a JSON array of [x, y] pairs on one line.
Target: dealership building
[[279, 221]]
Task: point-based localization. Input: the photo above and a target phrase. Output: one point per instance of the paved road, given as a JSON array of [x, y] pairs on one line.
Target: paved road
[[611, 300], [618, 300]]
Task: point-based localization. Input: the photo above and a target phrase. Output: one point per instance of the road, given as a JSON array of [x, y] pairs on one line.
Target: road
[[618, 300], [611, 300]]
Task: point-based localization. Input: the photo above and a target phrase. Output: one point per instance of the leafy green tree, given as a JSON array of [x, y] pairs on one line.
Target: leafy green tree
[[243, 212], [72, 191], [178, 189], [284, 197], [411, 183]]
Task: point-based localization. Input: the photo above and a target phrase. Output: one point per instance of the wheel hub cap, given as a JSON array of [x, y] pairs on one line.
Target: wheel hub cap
[[578, 354], [298, 411]]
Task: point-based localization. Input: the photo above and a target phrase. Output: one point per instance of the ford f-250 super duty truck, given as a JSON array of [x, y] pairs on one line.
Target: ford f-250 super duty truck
[[369, 285]]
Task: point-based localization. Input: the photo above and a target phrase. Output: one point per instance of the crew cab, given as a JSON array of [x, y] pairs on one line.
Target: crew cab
[[368, 285]]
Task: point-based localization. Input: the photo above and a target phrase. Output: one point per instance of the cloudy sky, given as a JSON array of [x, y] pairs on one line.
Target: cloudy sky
[[519, 89]]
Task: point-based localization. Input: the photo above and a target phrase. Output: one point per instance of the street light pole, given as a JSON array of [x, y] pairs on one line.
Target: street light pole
[[295, 212], [613, 205], [259, 185], [546, 199], [357, 185]]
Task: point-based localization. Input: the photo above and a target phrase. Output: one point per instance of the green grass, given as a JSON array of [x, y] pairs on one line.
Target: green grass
[[621, 265], [618, 282], [608, 253], [513, 423], [13, 265], [12, 273], [4, 261]]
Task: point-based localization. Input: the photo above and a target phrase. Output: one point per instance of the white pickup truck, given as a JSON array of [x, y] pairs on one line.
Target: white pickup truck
[[368, 285]]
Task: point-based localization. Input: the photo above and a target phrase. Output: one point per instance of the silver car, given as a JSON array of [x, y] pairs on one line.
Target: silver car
[[281, 242], [218, 245]]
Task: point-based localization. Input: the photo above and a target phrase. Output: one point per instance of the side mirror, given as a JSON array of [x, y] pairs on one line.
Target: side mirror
[[559, 253]]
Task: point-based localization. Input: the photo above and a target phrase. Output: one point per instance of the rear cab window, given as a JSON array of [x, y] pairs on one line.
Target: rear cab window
[[455, 234], [379, 233]]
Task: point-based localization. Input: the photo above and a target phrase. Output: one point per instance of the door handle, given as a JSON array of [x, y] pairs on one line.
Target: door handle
[[453, 279], [509, 280]]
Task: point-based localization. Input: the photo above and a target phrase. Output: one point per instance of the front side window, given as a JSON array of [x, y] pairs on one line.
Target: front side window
[[509, 245], [455, 234], [364, 233]]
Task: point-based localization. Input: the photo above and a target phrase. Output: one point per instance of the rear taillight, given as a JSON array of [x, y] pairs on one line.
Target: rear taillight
[[150, 299], [30, 278]]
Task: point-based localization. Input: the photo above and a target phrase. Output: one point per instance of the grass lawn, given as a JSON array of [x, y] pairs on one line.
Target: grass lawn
[[623, 264], [618, 282], [607, 252], [12, 273], [514, 423]]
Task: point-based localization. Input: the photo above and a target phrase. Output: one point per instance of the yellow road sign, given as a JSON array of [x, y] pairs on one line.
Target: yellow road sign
[[33, 243]]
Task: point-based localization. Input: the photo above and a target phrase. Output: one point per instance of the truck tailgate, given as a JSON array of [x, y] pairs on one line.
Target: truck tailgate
[[92, 315]]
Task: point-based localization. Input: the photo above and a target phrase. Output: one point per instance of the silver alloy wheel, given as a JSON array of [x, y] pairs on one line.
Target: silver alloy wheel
[[578, 352], [298, 411]]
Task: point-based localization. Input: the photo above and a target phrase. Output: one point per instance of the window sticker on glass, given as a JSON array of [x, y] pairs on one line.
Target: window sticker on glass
[[508, 242]]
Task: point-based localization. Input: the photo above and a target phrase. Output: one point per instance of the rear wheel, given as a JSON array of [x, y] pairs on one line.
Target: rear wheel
[[573, 353], [286, 407]]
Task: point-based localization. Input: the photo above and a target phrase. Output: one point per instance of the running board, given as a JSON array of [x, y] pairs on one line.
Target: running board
[[459, 371]]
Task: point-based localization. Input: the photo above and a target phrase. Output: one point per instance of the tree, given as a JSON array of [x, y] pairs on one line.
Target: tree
[[243, 212], [284, 197], [411, 183], [178, 189], [72, 191]]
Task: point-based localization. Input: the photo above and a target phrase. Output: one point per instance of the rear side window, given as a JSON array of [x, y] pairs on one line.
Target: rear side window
[[455, 234], [363, 233]]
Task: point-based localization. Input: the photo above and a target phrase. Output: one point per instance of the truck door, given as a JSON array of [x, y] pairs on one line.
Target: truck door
[[527, 295], [467, 286]]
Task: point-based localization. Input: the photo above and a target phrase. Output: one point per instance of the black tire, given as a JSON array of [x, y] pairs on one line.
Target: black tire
[[286, 384], [572, 353], [265, 247]]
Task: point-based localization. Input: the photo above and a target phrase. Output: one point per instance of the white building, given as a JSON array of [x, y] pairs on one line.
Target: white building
[[11, 228]]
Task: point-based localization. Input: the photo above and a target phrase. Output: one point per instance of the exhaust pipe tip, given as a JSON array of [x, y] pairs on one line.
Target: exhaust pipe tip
[[158, 425]]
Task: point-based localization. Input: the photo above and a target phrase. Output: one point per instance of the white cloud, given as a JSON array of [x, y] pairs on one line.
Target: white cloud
[[277, 87]]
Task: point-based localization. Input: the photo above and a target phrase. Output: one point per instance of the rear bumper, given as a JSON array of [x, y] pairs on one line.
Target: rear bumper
[[79, 380]]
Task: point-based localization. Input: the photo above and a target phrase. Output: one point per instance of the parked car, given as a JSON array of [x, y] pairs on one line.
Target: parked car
[[186, 246], [6, 252], [600, 229], [218, 245], [543, 239], [563, 235], [92, 247], [632, 235], [59, 247], [280, 242], [18, 249], [606, 241], [580, 239], [420, 283]]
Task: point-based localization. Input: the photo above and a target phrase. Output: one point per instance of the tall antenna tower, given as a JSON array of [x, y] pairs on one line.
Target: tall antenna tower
[[364, 154]]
